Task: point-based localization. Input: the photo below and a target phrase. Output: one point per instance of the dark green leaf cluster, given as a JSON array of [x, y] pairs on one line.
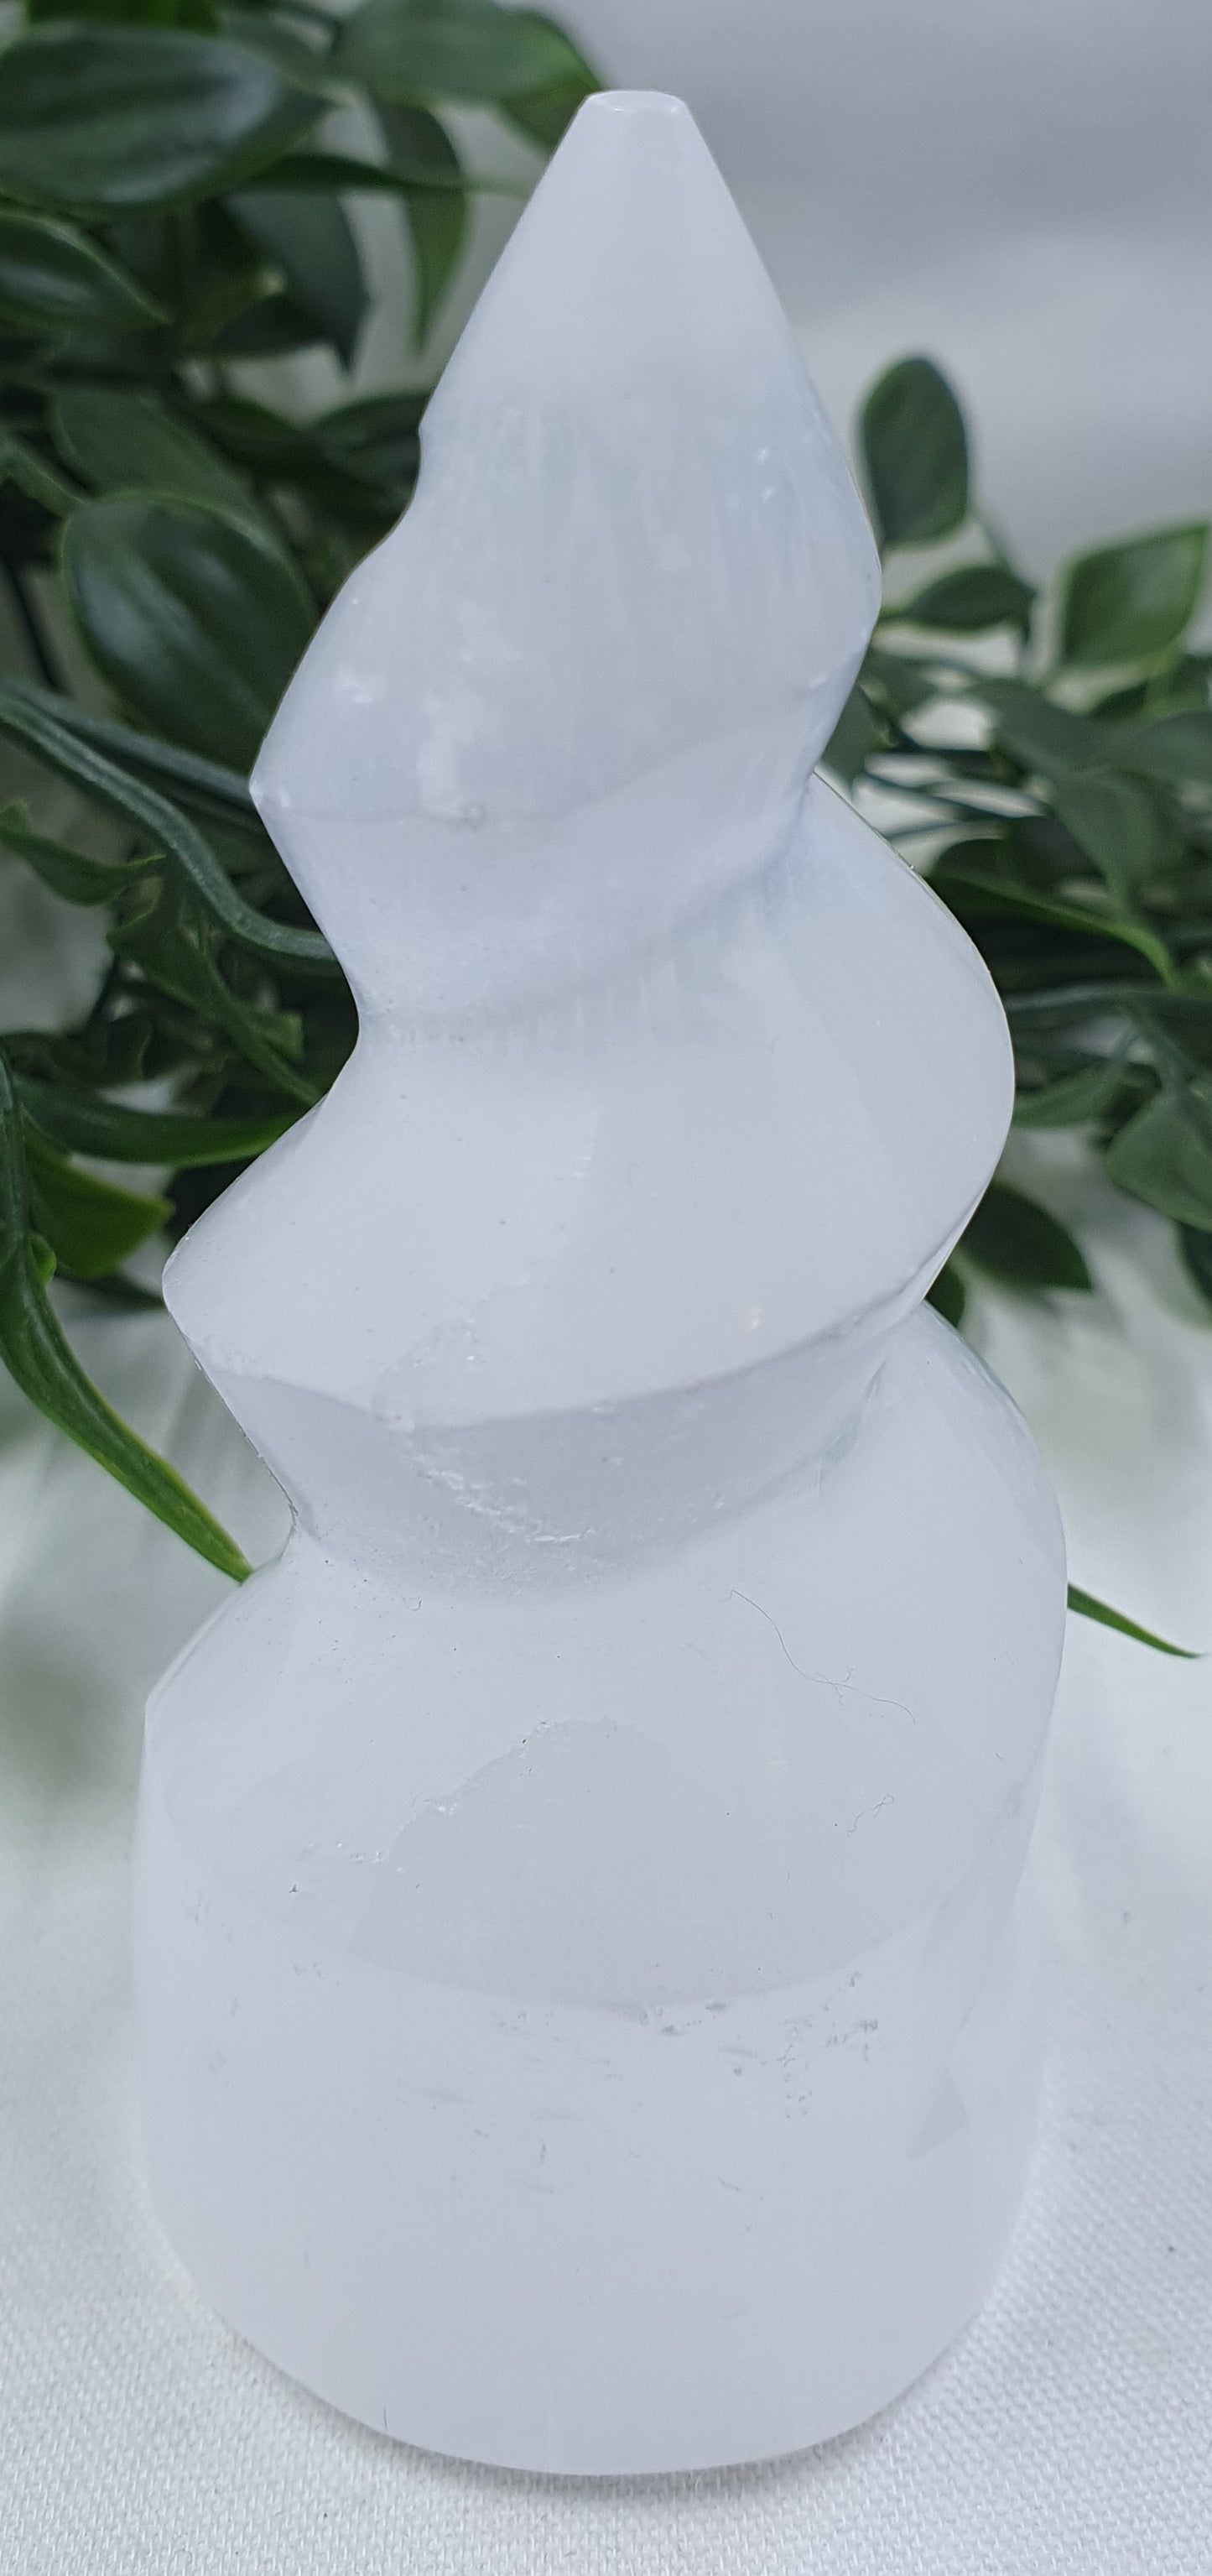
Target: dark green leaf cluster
[[170, 206], [1050, 753]]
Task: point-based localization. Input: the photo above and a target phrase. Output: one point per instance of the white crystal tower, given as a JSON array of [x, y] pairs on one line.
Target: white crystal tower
[[586, 2018]]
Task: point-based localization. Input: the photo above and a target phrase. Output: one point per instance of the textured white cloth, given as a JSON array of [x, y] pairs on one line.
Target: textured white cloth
[[1070, 2431]]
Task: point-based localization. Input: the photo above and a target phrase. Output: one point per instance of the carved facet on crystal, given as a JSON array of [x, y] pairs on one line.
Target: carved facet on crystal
[[585, 2016], [577, 692]]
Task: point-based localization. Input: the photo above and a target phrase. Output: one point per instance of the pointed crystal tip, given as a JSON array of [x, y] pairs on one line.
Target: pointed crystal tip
[[581, 685], [630, 262]]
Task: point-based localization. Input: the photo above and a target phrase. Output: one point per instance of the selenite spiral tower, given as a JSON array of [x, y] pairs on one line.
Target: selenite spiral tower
[[586, 2013]]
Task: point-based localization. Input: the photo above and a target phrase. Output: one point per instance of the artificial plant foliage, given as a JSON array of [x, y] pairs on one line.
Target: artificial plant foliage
[[171, 204], [1056, 786]]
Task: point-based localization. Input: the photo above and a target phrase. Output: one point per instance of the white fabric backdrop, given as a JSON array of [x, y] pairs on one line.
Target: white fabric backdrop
[[1021, 187], [1072, 2427]]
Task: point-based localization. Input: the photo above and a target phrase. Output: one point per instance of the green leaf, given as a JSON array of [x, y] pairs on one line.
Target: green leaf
[[345, 493], [1073, 1101], [1177, 749], [948, 1294], [436, 222], [195, 620], [915, 453], [411, 50], [113, 117], [1044, 736], [91, 1225], [358, 464], [1163, 1156], [264, 31], [207, 781], [311, 240], [119, 441], [1111, 819], [43, 1260], [37, 1356], [68, 873], [1129, 602], [52, 278], [857, 733], [220, 276], [173, 946], [1196, 1247], [967, 601], [269, 324], [1019, 1243], [376, 440], [23, 466], [345, 174], [74, 757], [901, 680], [984, 893], [1182, 1019], [85, 1122], [1087, 1607], [146, 13], [264, 442], [544, 115]]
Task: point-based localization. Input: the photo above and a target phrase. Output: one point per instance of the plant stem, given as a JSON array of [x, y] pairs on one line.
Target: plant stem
[[32, 627]]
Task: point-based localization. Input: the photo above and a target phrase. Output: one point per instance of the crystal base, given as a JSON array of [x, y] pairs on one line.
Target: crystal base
[[593, 2031]]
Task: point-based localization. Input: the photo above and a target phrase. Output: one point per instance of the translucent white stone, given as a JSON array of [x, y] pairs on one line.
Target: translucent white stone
[[578, 690], [586, 2014]]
